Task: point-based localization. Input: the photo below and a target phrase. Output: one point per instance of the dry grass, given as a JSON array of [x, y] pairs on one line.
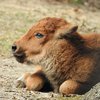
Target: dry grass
[[17, 16]]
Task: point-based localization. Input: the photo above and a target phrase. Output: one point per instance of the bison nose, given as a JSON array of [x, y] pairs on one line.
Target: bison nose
[[14, 48]]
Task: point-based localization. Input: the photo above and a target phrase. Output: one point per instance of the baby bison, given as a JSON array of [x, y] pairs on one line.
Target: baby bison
[[67, 62]]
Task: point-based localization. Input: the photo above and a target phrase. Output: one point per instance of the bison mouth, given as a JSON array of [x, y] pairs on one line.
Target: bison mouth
[[20, 57]]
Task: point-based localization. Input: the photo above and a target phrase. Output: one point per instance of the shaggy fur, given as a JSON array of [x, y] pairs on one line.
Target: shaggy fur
[[70, 61]]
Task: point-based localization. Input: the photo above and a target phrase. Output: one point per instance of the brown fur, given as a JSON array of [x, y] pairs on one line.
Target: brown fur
[[69, 60]]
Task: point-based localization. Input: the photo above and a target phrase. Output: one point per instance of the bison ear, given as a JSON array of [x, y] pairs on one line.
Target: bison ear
[[68, 33]]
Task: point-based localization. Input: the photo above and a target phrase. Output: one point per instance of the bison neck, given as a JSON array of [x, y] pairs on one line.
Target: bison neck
[[57, 64]]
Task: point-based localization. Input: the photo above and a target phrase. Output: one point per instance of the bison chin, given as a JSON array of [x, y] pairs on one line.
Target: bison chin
[[20, 57]]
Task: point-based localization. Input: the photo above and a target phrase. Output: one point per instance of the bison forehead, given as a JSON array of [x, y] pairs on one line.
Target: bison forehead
[[50, 24]]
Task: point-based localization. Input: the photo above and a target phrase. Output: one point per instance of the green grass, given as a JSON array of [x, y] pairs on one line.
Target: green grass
[[13, 23], [17, 16], [77, 1]]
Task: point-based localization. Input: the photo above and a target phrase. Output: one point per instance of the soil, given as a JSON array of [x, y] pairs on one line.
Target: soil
[[10, 70]]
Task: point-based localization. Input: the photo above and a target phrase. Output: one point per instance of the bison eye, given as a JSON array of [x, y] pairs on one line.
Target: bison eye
[[39, 35]]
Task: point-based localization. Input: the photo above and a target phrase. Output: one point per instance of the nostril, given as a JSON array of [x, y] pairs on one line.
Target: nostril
[[14, 47]]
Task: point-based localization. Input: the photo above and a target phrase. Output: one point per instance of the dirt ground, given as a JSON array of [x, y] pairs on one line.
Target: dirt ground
[[10, 70], [16, 16]]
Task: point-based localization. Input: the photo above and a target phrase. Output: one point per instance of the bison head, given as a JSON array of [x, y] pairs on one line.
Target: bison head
[[43, 35]]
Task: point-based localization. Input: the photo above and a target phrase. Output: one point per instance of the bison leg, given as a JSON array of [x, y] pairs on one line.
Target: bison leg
[[31, 81], [69, 87], [35, 81]]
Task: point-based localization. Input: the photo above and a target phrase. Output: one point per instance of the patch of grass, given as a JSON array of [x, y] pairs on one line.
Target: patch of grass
[[17, 16], [77, 1], [15, 20], [13, 23]]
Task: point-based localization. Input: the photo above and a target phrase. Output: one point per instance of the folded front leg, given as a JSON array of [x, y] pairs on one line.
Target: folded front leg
[[33, 81], [69, 87]]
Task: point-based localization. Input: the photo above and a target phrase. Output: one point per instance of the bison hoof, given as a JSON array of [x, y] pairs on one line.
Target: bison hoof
[[20, 83]]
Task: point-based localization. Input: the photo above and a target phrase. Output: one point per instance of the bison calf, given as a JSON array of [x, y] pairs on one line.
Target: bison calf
[[69, 62]]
